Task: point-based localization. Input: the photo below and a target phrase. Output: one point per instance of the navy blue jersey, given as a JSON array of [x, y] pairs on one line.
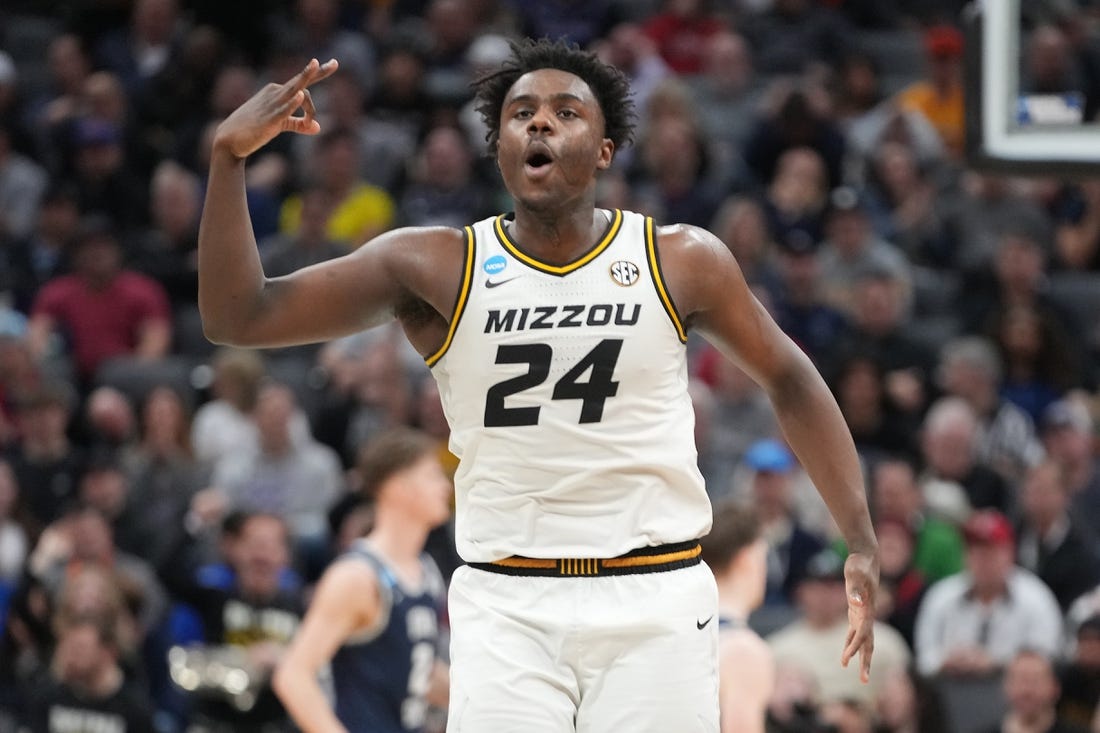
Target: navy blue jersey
[[381, 676]]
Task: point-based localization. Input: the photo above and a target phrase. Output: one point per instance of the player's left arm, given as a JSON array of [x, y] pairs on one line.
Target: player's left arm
[[711, 295]]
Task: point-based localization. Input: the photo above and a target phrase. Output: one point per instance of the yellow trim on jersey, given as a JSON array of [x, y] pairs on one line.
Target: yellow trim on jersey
[[460, 303], [645, 560], [526, 562], [658, 279], [616, 224]]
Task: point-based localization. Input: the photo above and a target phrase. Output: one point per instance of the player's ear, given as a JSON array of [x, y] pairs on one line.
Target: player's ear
[[607, 154]]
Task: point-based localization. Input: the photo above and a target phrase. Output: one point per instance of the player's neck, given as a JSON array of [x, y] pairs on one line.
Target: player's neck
[[559, 235], [401, 541]]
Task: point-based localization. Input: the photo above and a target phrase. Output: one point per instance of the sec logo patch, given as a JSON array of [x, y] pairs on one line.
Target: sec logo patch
[[625, 273]]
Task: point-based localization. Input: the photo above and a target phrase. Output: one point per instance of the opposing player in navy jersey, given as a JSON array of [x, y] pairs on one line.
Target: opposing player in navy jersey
[[737, 554], [557, 336], [375, 618]]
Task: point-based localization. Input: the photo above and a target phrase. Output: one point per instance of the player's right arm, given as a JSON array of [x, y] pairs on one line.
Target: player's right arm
[[347, 599], [240, 306]]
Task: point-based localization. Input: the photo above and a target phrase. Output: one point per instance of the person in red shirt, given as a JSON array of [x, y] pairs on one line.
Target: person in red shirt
[[681, 31], [103, 310]]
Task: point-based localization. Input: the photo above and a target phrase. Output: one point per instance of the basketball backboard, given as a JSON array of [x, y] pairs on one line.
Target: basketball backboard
[[1014, 122]]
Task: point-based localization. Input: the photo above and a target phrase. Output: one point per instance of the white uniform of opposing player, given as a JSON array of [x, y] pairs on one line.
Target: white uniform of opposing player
[[593, 353]]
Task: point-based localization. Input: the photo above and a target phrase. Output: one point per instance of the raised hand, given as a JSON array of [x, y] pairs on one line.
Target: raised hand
[[271, 111], [861, 581]]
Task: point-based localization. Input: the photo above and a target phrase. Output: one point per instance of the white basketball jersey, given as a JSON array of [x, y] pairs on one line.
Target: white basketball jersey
[[566, 390]]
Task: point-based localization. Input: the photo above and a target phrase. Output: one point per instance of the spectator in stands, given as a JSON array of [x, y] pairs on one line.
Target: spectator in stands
[[1079, 678], [896, 497], [450, 27], [385, 146], [105, 311], [317, 22], [907, 704], [948, 441], [1077, 230], [1031, 690], [800, 309], [740, 415], [857, 87], [47, 465], [674, 161], [878, 330], [939, 97], [86, 688], [796, 196], [22, 183], [1068, 435], [167, 250], [1052, 543], [851, 249], [808, 642], [628, 48], [790, 544], [162, 472], [681, 31], [977, 621], [84, 538], [360, 211], [106, 178], [902, 195], [976, 217], [43, 255], [878, 428], [294, 479], [252, 612], [400, 96], [903, 584], [286, 252], [742, 225], [148, 46], [1006, 441], [60, 99], [1039, 363], [443, 189], [795, 118], [737, 554], [375, 395], [221, 427]]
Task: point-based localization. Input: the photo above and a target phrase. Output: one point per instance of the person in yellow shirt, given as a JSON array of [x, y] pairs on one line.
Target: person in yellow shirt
[[939, 97], [360, 211]]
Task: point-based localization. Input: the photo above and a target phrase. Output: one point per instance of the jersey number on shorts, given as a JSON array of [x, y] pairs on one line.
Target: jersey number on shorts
[[592, 393]]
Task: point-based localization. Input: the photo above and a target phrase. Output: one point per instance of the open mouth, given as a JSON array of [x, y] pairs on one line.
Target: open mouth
[[538, 160]]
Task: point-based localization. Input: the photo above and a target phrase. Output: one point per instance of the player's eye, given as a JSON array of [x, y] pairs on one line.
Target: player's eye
[[567, 113], [523, 114]]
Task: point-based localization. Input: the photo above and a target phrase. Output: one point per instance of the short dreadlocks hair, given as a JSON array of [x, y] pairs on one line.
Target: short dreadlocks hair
[[608, 85]]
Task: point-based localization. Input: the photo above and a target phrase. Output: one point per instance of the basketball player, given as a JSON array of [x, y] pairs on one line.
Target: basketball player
[[374, 617], [737, 554], [557, 336]]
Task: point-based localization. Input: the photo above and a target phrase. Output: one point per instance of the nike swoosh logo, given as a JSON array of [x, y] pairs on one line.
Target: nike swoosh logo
[[497, 283], [702, 624]]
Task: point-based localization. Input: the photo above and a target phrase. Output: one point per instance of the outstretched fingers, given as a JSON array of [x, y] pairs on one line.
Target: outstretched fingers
[[313, 73]]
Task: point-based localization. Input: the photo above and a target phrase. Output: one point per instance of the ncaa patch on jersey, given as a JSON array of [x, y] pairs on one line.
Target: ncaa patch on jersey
[[624, 273], [494, 264]]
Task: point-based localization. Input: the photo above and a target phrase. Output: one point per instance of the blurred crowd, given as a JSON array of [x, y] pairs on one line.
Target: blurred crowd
[[162, 500]]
